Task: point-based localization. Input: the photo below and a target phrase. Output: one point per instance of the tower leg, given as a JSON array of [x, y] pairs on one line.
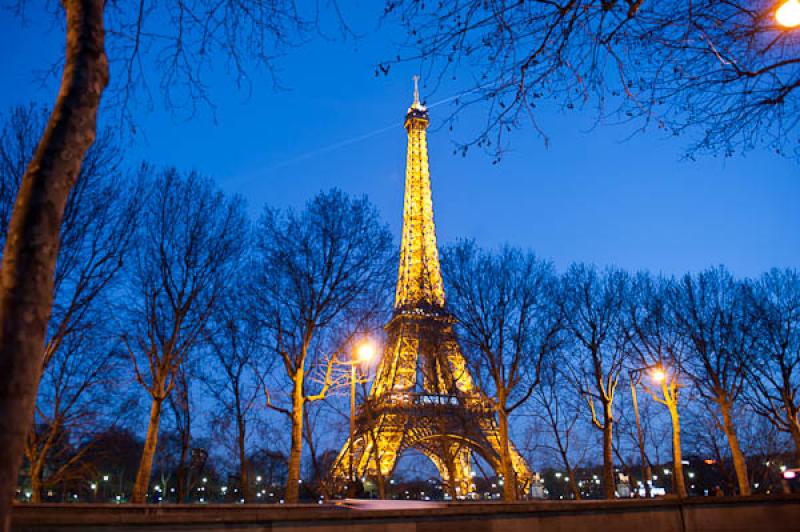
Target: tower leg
[[453, 460], [375, 453]]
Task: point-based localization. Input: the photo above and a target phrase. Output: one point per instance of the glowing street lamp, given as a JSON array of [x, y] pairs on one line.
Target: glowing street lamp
[[658, 375], [363, 353], [788, 14]]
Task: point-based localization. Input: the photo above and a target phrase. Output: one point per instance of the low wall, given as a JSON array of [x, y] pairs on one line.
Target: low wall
[[712, 514]]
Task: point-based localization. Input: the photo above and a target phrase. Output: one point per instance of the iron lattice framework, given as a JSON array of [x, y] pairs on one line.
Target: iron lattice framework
[[423, 396]]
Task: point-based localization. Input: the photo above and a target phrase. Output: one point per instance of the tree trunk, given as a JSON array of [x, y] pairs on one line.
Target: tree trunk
[[677, 458], [380, 480], [794, 429], [450, 467], [572, 483], [181, 477], [295, 453], [739, 464], [36, 481], [609, 485], [148, 453], [244, 479], [509, 476], [29, 257]]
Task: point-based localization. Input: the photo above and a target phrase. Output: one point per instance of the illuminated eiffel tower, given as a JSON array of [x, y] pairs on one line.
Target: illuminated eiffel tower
[[423, 396]]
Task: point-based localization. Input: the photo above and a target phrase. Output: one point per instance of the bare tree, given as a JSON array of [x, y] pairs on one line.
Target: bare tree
[[592, 307], [97, 230], [329, 263], [191, 238], [774, 370], [180, 50], [180, 404], [722, 71], [508, 323], [237, 359], [660, 349], [709, 311], [558, 407]]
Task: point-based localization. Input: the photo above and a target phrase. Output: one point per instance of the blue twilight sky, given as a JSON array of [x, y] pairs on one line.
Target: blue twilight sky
[[590, 196]]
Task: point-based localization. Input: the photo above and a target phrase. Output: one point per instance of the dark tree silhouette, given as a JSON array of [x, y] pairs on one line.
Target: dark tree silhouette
[[592, 307], [722, 72], [180, 51], [709, 312], [658, 345], [78, 354], [317, 269], [189, 243], [774, 368], [508, 323]]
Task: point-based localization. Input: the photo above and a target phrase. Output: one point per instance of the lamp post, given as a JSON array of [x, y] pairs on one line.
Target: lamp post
[[646, 473], [361, 355], [788, 14]]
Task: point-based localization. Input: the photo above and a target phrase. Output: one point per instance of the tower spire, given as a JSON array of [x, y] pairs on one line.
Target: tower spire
[[419, 280]]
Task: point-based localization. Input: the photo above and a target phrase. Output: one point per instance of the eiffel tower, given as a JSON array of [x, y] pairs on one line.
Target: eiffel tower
[[423, 396]]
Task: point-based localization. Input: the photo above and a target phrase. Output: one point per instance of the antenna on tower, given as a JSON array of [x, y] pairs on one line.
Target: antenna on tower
[[416, 90]]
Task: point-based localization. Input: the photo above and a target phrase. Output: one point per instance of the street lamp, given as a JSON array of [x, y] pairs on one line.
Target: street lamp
[[634, 378], [362, 354], [788, 14]]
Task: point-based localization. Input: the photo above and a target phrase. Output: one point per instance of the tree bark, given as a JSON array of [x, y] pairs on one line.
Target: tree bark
[[609, 485], [794, 429], [182, 477], [35, 464], [509, 476], [677, 458], [295, 453], [148, 453], [572, 483], [379, 478], [739, 464], [36, 481], [244, 479], [29, 257]]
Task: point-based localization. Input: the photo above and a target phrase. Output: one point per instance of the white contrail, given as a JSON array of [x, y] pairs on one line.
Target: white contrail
[[342, 143]]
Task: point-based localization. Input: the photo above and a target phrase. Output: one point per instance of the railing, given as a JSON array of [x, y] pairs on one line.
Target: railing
[[420, 400]]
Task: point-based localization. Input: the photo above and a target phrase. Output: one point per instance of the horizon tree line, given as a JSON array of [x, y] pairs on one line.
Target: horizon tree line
[[164, 281]]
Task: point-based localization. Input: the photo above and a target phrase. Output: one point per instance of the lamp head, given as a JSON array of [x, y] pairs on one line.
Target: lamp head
[[365, 351], [658, 375], [788, 14]]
